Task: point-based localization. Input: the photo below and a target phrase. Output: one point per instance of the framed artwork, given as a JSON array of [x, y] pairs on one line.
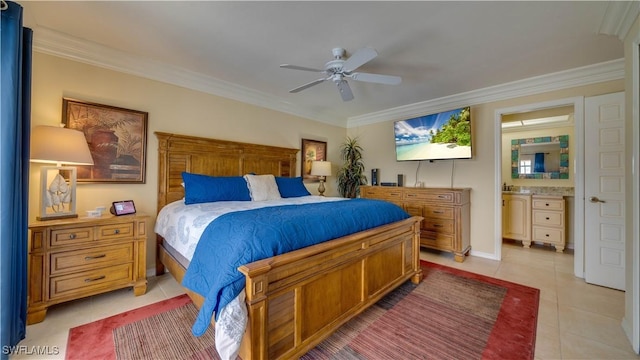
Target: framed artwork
[[312, 150], [117, 140]]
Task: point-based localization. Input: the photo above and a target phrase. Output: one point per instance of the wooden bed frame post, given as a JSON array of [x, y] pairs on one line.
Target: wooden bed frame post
[[254, 344], [417, 277]]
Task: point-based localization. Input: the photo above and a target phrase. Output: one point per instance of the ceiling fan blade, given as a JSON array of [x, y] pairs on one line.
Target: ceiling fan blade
[[377, 78], [306, 86], [345, 90], [359, 58], [296, 67]]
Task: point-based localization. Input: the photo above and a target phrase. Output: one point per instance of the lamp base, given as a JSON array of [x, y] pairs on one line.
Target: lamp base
[[321, 188], [57, 192], [54, 217]]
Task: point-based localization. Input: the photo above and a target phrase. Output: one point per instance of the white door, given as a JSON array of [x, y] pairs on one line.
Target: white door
[[604, 190]]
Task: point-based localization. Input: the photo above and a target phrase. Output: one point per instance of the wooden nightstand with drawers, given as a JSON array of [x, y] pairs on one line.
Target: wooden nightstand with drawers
[[74, 258]]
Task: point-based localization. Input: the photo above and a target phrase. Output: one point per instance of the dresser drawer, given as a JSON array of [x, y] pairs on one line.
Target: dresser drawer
[[69, 236], [547, 204], [378, 192], [436, 240], [548, 218], [438, 225], [436, 196], [548, 235], [115, 231], [439, 212], [79, 260], [89, 282], [414, 210]]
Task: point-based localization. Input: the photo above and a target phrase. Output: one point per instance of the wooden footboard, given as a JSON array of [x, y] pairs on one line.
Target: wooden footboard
[[298, 299]]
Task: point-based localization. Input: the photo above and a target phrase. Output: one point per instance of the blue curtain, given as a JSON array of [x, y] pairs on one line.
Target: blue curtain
[[538, 163], [15, 115]]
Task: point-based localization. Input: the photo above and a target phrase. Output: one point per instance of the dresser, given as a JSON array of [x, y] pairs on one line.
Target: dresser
[[548, 221], [446, 213], [74, 258]]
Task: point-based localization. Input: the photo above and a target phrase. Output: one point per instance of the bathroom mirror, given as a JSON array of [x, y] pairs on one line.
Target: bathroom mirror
[[544, 157]]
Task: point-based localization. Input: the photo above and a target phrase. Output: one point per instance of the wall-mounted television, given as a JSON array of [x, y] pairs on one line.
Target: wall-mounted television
[[445, 135]]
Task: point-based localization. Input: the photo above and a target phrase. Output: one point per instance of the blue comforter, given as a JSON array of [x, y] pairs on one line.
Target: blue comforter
[[239, 238]]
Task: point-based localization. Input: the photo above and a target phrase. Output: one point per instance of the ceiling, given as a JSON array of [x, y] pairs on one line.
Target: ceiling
[[234, 49]]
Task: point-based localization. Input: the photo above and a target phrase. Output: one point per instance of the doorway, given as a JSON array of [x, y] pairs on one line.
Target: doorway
[[576, 170]]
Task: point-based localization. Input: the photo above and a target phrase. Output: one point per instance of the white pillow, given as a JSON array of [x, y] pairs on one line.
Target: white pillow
[[262, 187]]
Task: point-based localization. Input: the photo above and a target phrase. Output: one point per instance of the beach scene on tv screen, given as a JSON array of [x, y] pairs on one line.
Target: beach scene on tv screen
[[445, 135]]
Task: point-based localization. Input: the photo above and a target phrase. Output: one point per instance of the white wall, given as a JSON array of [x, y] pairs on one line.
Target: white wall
[[631, 321]]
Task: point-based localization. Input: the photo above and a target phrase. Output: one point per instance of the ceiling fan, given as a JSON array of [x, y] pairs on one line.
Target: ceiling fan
[[338, 69]]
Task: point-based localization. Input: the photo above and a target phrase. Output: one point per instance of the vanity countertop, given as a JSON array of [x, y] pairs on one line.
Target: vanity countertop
[[541, 190]]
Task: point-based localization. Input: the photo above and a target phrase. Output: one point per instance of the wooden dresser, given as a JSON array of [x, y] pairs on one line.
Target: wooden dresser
[[75, 258], [446, 213], [548, 225]]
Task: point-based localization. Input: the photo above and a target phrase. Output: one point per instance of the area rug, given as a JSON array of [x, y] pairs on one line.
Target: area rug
[[452, 314]]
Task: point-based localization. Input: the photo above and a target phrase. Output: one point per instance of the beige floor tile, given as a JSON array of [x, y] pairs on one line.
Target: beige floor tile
[[577, 347], [548, 313], [547, 342], [592, 326]]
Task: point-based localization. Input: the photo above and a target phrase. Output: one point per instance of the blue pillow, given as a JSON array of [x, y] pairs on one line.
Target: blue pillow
[[203, 188], [291, 187]]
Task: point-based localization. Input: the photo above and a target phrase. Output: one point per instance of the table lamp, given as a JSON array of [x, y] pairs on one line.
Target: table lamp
[[58, 145], [322, 169]]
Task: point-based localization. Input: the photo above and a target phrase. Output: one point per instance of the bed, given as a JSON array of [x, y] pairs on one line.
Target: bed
[[296, 299]]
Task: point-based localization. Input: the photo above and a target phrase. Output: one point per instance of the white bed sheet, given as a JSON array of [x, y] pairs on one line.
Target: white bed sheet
[[182, 225]]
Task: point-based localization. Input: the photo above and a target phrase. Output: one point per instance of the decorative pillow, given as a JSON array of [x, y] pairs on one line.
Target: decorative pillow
[[262, 187], [291, 187], [200, 188]]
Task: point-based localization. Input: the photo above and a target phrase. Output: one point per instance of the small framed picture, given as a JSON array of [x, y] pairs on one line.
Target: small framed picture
[[312, 150], [124, 207]]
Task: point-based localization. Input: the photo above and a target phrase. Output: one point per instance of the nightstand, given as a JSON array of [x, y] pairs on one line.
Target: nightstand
[[74, 258]]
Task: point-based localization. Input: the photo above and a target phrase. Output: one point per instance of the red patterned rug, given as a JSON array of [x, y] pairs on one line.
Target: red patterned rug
[[452, 314]]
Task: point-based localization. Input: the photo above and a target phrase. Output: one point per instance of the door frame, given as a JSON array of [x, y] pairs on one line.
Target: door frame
[[577, 171]]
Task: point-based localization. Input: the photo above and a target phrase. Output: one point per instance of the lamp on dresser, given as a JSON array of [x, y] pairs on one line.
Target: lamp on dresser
[[58, 145], [322, 169]]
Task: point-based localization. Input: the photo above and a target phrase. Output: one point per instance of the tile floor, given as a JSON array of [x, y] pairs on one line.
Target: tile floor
[[575, 320]]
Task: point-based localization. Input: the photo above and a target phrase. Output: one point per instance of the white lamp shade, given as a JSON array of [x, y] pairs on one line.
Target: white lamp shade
[[321, 168], [58, 145]]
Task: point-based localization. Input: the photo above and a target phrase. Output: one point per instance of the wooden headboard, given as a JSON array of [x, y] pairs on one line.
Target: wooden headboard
[[178, 153]]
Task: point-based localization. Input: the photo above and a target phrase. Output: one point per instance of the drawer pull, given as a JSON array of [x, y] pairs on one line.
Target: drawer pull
[[441, 197], [87, 258], [437, 225], [547, 235], [547, 204], [547, 218], [409, 195], [395, 194], [94, 279], [72, 236], [117, 231], [438, 212]]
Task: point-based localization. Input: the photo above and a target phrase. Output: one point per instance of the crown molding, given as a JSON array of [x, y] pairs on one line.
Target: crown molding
[[606, 71], [51, 42], [619, 18], [54, 43]]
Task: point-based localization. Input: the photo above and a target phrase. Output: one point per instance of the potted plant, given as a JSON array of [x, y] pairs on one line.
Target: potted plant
[[351, 174]]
